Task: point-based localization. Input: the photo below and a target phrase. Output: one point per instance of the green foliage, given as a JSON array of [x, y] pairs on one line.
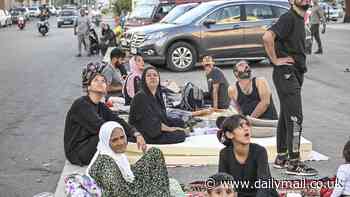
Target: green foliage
[[120, 5], [105, 11]]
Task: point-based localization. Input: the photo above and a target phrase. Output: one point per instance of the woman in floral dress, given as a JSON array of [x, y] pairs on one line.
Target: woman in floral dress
[[111, 170]]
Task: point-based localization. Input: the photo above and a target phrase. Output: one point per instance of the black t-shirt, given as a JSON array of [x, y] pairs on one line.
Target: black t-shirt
[[255, 168], [217, 76], [291, 38]]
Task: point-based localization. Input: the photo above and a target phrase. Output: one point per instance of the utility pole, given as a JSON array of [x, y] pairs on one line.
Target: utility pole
[[347, 11]]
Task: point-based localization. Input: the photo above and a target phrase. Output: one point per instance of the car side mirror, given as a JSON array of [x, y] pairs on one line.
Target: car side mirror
[[209, 22]]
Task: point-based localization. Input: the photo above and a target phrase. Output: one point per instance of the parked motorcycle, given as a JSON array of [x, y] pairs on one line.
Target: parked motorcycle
[[43, 27], [21, 22]]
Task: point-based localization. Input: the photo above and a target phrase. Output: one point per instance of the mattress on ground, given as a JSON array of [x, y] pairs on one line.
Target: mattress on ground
[[205, 149]]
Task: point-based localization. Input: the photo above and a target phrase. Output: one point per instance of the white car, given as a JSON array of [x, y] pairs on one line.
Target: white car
[[332, 12], [34, 11], [2, 18], [8, 18], [53, 10]]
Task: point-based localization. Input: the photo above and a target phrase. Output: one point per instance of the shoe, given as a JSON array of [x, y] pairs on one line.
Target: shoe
[[281, 162], [319, 52], [300, 169], [79, 55]]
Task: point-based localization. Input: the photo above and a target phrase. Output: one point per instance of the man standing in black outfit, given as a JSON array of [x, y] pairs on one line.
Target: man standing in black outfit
[[84, 119], [285, 45]]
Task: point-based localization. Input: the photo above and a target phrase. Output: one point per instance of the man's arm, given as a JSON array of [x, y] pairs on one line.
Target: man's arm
[[269, 43], [265, 96], [216, 95], [232, 94], [111, 88], [75, 26]]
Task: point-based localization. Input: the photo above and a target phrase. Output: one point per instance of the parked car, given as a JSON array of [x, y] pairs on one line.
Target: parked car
[[67, 17], [8, 18], [148, 13], [15, 12], [53, 10], [226, 30], [2, 18], [169, 18], [26, 13], [34, 11], [58, 10], [332, 12]]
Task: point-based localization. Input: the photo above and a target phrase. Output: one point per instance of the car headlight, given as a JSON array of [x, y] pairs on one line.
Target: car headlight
[[59, 19], [155, 36]]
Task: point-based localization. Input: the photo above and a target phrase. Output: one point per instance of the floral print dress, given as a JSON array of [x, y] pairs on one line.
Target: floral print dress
[[151, 176]]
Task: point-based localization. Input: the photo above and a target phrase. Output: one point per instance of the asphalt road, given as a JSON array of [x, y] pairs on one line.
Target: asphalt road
[[40, 78]]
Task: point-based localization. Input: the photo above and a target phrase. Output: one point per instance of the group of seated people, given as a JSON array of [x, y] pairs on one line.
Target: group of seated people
[[96, 136]]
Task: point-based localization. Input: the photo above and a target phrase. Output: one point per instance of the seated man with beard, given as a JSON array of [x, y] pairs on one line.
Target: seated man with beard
[[252, 96]]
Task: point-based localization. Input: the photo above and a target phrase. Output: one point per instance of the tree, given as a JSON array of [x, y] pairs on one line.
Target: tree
[[347, 11], [120, 5], [20, 1]]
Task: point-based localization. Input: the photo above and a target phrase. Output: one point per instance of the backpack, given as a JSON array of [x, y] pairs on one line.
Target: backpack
[[192, 98], [90, 69]]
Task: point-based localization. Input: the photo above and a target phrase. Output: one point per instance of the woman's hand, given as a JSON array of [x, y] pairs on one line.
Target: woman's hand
[[141, 144]]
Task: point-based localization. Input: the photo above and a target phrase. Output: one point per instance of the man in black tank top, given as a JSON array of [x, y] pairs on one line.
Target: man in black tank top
[[252, 96]]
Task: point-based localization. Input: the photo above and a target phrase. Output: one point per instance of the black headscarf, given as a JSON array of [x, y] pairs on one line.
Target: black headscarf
[[158, 96]]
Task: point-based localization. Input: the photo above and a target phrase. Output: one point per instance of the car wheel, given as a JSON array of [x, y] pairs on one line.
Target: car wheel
[[58, 26], [181, 57]]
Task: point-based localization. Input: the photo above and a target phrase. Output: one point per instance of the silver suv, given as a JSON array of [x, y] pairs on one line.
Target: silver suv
[[226, 30]]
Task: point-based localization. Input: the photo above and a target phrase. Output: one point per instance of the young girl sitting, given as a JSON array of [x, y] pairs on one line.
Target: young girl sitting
[[342, 187]]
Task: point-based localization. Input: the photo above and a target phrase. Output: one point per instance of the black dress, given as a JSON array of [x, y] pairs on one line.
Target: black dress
[[254, 169], [147, 115], [148, 112], [82, 125]]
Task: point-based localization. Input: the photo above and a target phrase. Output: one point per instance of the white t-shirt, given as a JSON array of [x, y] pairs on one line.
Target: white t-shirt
[[343, 181]]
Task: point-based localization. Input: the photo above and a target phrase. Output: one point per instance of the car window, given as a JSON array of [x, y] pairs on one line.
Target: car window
[[175, 13], [258, 12], [165, 9], [278, 11], [194, 14], [227, 15]]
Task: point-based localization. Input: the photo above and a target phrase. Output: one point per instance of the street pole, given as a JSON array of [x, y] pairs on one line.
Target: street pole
[[347, 11]]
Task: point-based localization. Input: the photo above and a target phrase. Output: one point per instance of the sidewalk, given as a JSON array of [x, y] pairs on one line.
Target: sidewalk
[[340, 26]]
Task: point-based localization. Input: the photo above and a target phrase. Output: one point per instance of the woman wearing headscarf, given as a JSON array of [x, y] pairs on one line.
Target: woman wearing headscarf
[[133, 80], [107, 38], [148, 112], [113, 173], [245, 161]]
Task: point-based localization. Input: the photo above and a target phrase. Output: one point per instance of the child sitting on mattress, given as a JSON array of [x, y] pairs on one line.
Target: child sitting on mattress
[[245, 161], [342, 187]]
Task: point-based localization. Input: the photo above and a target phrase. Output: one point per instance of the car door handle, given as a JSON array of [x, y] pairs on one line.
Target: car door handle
[[236, 26]]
